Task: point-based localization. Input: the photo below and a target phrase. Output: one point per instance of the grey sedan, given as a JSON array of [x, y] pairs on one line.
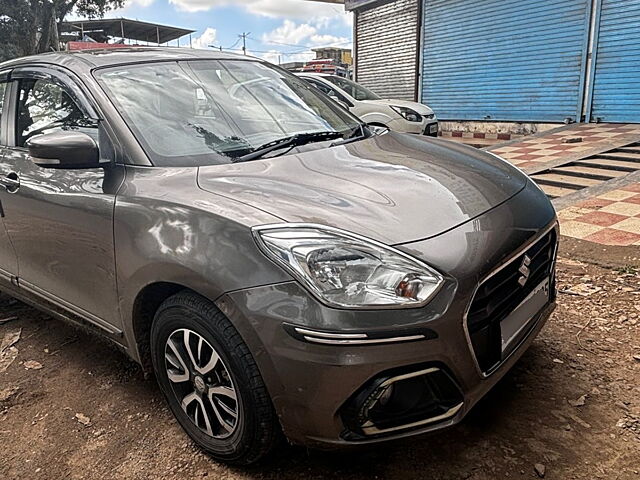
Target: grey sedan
[[281, 268]]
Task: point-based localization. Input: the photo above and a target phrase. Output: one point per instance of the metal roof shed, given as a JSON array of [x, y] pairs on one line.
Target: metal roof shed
[[127, 29]]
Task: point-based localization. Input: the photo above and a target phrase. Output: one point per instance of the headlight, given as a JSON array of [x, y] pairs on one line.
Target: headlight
[[348, 271], [408, 114]]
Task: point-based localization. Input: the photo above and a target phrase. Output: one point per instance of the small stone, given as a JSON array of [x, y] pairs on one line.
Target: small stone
[[32, 365], [7, 393], [540, 470], [578, 402], [557, 360], [636, 358], [83, 419], [622, 405]]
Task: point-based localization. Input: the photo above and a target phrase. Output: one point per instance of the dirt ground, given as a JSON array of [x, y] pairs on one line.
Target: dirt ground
[[571, 406]]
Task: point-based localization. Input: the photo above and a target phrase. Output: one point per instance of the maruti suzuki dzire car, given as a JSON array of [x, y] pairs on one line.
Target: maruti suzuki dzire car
[[278, 265]]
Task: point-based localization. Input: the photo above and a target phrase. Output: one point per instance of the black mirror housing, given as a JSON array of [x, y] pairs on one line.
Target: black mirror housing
[[64, 149]]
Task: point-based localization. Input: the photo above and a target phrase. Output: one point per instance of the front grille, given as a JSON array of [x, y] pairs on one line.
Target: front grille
[[501, 293]]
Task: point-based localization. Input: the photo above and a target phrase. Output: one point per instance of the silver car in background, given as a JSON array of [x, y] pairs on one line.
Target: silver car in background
[[398, 115]]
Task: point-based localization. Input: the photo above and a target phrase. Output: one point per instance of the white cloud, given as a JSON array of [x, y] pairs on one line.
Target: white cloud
[[141, 3], [301, 9], [291, 33], [330, 41], [305, 35], [207, 38]]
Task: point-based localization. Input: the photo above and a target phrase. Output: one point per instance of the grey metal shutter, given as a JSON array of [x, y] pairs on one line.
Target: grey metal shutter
[[387, 49], [505, 59], [616, 81]]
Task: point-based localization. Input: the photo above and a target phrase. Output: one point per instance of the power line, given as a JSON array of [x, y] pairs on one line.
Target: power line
[[267, 42], [219, 47], [234, 45]]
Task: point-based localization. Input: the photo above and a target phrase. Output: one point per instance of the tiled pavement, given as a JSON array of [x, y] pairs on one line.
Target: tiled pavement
[[609, 218], [612, 218], [533, 151]]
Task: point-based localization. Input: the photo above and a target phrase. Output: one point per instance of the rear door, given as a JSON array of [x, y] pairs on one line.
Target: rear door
[[8, 261], [60, 221]]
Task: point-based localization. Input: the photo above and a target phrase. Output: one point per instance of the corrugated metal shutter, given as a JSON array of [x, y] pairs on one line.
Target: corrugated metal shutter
[[616, 84], [505, 59], [387, 49]]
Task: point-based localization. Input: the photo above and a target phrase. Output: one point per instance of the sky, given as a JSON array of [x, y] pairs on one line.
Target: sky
[[280, 30]]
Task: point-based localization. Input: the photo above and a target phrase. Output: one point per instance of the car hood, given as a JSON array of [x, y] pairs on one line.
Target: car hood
[[417, 107], [393, 188]]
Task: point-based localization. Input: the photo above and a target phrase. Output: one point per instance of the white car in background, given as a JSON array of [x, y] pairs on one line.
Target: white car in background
[[397, 115]]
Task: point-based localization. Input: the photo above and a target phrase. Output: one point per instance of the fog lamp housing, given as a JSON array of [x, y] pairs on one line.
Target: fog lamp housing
[[399, 401]]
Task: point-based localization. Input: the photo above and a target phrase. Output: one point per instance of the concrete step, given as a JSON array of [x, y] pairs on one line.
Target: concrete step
[[617, 155], [629, 149], [567, 181], [598, 161], [555, 192], [603, 173]]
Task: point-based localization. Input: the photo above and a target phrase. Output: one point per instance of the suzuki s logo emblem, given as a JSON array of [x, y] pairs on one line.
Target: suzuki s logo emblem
[[524, 270]]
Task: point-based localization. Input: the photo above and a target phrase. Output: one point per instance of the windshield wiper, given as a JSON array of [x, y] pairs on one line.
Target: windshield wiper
[[293, 141], [356, 134]]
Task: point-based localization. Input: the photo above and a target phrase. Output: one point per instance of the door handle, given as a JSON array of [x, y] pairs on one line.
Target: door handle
[[11, 182]]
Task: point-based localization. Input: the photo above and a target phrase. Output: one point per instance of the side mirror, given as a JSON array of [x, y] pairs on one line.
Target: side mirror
[[64, 149]]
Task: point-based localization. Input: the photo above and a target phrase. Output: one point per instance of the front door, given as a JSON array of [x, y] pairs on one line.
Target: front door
[[60, 221], [8, 261]]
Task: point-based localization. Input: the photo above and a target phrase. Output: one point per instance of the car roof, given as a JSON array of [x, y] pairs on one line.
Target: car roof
[[106, 57], [313, 74]]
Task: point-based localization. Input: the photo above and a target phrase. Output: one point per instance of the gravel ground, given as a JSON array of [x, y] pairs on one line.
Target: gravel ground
[[71, 406]]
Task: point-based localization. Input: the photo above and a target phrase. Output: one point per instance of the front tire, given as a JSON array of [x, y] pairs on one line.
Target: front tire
[[211, 381]]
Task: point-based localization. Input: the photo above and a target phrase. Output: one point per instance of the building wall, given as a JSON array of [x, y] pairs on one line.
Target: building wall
[[386, 47], [501, 65]]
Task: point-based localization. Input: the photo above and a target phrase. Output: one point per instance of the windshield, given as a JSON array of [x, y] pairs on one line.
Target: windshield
[[352, 88], [191, 113]]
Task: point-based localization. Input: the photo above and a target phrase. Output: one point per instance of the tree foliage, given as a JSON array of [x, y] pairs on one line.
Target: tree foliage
[[31, 26]]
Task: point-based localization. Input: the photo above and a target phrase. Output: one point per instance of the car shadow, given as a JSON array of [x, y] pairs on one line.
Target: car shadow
[[513, 404]]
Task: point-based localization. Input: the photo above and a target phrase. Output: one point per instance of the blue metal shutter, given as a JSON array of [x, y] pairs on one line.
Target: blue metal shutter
[[616, 83], [505, 59]]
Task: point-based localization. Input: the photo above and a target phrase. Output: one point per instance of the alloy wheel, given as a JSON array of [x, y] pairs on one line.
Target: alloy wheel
[[201, 383]]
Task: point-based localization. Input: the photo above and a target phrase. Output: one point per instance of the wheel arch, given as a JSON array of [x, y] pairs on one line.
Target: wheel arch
[[145, 306], [376, 118]]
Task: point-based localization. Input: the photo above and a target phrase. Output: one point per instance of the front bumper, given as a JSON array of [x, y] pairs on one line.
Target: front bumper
[[428, 126], [312, 384]]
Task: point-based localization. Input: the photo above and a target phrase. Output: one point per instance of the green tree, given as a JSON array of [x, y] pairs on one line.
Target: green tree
[[31, 26]]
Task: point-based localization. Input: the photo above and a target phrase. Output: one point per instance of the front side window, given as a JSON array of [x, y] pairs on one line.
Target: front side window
[[215, 111], [321, 86], [357, 91], [44, 106]]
